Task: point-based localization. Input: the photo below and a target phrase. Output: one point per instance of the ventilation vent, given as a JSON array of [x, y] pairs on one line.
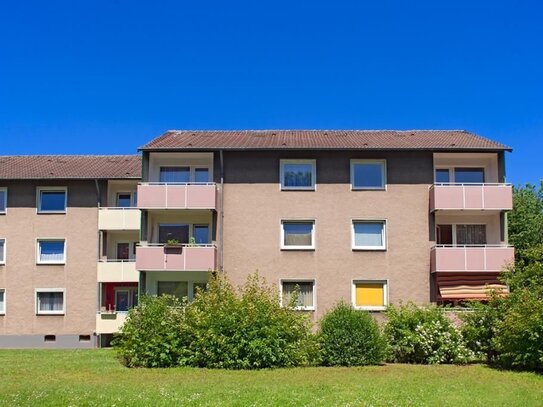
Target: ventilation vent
[[50, 338], [84, 338]]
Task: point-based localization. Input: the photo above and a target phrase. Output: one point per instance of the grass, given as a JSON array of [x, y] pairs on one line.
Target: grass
[[94, 377]]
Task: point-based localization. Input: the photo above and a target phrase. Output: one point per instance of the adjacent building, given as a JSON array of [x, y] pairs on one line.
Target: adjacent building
[[370, 217]]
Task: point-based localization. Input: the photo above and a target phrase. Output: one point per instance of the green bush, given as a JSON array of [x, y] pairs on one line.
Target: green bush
[[424, 335], [519, 335], [348, 337], [244, 330], [151, 335]]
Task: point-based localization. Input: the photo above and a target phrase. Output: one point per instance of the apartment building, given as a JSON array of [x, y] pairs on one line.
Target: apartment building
[[50, 217], [369, 217]]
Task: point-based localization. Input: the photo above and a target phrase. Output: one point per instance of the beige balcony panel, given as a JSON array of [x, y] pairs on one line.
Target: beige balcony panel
[[117, 272], [108, 323], [119, 219]]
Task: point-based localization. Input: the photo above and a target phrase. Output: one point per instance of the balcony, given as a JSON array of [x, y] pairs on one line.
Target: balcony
[[193, 195], [109, 322], [158, 257], [471, 197], [117, 271], [119, 219], [485, 258]]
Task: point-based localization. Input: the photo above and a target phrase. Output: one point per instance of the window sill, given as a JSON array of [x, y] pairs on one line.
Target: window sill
[[368, 189], [51, 212], [51, 263], [50, 313], [298, 249], [370, 308], [369, 249], [298, 189]]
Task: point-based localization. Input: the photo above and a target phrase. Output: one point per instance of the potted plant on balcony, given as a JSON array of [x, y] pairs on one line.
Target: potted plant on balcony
[[192, 241], [172, 243]]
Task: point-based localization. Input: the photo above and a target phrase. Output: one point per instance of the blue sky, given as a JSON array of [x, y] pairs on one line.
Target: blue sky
[[104, 77]]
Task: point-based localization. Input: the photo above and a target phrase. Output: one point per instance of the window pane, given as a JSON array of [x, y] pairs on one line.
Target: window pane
[[52, 201], [201, 234], [470, 234], [52, 251], [2, 302], [123, 251], [442, 176], [444, 234], [174, 174], [201, 175], [305, 293], [368, 234], [370, 295], [297, 234], [2, 247], [368, 175], [178, 289], [121, 300], [199, 287], [3, 201], [51, 301], [467, 175], [124, 201], [173, 232], [297, 175]]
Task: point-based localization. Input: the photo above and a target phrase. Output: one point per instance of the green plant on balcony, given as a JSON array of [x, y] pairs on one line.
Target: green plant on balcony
[[192, 241], [172, 243]]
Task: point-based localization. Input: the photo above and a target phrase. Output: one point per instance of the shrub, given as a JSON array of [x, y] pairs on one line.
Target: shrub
[[519, 334], [244, 330], [151, 335], [424, 335], [348, 337]]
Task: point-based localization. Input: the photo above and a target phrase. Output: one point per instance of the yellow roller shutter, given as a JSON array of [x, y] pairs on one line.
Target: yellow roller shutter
[[370, 295]]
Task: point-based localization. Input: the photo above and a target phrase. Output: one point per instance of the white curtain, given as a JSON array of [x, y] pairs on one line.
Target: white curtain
[[51, 301], [52, 251], [305, 293]]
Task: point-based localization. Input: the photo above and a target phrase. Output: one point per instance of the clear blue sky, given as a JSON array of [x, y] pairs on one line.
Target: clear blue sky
[[104, 77]]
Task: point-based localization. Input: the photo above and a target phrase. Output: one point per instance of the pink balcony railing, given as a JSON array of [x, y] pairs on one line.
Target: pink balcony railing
[[177, 196], [179, 258], [491, 258], [471, 196]]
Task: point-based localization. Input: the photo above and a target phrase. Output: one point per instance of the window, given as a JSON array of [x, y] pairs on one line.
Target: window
[[123, 251], [469, 175], [201, 234], [2, 251], [298, 235], [201, 175], [305, 290], [442, 176], [50, 301], [298, 174], [2, 301], [370, 295], [175, 174], [3, 200], [124, 200], [125, 298], [168, 232], [368, 174], [198, 287], [51, 251], [52, 200], [369, 235], [461, 235], [178, 289]]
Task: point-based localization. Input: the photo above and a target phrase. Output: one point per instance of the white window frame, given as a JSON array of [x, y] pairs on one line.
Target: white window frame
[[369, 161], [369, 248], [3, 261], [3, 311], [371, 307], [50, 290], [50, 239], [313, 164], [132, 194], [286, 247], [130, 291], [299, 280], [5, 191], [39, 190]]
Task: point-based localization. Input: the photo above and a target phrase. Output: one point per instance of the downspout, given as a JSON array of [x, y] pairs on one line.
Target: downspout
[[221, 250]]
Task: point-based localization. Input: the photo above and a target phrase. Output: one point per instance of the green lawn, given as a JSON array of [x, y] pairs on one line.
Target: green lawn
[[94, 377]]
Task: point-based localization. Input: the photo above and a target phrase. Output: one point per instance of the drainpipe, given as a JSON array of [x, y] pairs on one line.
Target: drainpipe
[[221, 250]]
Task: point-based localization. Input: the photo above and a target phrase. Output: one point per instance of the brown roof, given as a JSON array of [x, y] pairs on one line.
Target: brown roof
[[323, 139], [70, 166]]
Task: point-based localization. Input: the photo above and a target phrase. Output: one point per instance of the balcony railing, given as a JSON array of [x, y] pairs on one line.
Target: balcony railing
[[189, 195], [471, 258], [453, 196], [119, 219], [117, 271], [110, 322], [186, 257]]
